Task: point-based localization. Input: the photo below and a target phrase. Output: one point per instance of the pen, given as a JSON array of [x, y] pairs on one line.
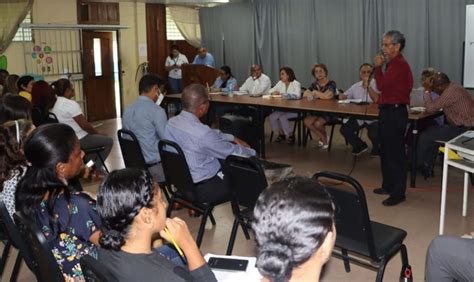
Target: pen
[[174, 243]]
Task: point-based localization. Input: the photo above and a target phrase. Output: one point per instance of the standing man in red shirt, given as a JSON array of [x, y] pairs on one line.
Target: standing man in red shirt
[[395, 84]]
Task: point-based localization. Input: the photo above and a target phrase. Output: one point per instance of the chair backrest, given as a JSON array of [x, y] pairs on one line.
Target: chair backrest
[[352, 215], [53, 118], [131, 151], [176, 169], [94, 271], [15, 238], [47, 268], [247, 179]]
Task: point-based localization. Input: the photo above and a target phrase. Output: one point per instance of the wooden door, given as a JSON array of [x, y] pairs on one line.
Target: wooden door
[[98, 75]]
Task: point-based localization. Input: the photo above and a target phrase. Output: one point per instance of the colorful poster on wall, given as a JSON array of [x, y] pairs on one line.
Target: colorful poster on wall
[[42, 57]]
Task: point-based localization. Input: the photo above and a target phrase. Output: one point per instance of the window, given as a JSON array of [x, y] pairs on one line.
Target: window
[[97, 57], [24, 34], [172, 31]]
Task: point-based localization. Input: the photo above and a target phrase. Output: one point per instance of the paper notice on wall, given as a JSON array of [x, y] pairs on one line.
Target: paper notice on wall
[[142, 50]]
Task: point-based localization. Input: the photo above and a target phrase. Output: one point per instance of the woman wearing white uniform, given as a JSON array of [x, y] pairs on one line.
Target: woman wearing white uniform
[[288, 87], [173, 66]]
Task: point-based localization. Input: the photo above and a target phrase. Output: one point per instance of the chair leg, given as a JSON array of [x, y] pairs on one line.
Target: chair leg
[[246, 231], [381, 270], [16, 268], [211, 217], [330, 137], [5, 253], [233, 234], [103, 162], [271, 137], [164, 188], [170, 207], [345, 259], [406, 271], [207, 211]]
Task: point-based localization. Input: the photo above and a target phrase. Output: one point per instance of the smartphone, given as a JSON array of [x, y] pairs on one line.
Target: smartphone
[[228, 263]]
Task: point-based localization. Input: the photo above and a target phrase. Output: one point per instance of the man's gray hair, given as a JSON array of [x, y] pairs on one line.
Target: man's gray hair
[[397, 38], [193, 96]]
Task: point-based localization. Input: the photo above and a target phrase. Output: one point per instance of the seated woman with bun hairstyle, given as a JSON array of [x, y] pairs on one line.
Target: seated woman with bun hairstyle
[[133, 213], [295, 231]]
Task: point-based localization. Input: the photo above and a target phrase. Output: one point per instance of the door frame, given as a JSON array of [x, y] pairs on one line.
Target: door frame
[[117, 34]]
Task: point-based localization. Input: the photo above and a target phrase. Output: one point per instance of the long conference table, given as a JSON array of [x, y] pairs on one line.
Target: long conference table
[[322, 107]]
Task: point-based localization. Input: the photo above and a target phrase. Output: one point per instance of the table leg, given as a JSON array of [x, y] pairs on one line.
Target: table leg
[[413, 153], [466, 190], [261, 128], [300, 129], [443, 193]]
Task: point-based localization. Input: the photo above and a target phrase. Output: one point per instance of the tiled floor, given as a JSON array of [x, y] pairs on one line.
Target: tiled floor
[[419, 215]]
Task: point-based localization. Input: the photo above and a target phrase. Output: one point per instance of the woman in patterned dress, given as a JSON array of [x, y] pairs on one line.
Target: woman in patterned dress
[[68, 219]]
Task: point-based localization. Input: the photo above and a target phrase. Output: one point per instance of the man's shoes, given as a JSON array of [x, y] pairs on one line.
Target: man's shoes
[[393, 200], [380, 191], [360, 150]]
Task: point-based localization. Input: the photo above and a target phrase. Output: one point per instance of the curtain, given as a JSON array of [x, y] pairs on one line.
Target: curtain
[[187, 21], [343, 34], [228, 34], [12, 13]]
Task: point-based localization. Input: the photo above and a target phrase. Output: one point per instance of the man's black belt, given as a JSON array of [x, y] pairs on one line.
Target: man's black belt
[[391, 106]]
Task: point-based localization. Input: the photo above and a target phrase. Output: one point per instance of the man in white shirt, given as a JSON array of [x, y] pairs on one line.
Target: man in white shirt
[[257, 83], [173, 66], [366, 91]]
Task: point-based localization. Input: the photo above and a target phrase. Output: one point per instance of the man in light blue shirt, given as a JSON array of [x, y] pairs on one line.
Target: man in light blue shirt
[[204, 58], [203, 146], [147, 121]]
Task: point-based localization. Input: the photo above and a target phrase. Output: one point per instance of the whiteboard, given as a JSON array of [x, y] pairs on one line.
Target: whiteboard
[[468, 78]]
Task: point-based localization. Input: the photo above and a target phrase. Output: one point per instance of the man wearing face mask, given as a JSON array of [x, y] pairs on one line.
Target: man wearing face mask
[[147, 120]]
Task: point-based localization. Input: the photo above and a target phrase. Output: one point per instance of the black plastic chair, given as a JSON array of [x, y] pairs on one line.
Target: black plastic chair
[[6, 249], [248, 180], [53, 118], [132, 154], [16, 240], [94, 271], [356, 233], [131, 151], [46, 268], [177, 174], [89, 151]]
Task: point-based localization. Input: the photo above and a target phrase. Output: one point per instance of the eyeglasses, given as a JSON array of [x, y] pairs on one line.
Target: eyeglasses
[[387, 44], [366, 71]]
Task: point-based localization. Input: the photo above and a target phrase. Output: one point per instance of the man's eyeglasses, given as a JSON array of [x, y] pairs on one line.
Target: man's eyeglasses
[[387, 44]]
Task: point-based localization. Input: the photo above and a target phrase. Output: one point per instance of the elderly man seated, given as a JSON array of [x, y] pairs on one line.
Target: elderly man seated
[[458, 108], [257, 83], [203, 146], [365, 90]]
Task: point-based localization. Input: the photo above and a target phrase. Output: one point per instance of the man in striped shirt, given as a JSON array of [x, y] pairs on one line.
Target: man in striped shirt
[[458, 107]]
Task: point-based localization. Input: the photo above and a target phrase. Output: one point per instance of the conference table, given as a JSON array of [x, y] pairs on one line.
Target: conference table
[[320, 107]]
